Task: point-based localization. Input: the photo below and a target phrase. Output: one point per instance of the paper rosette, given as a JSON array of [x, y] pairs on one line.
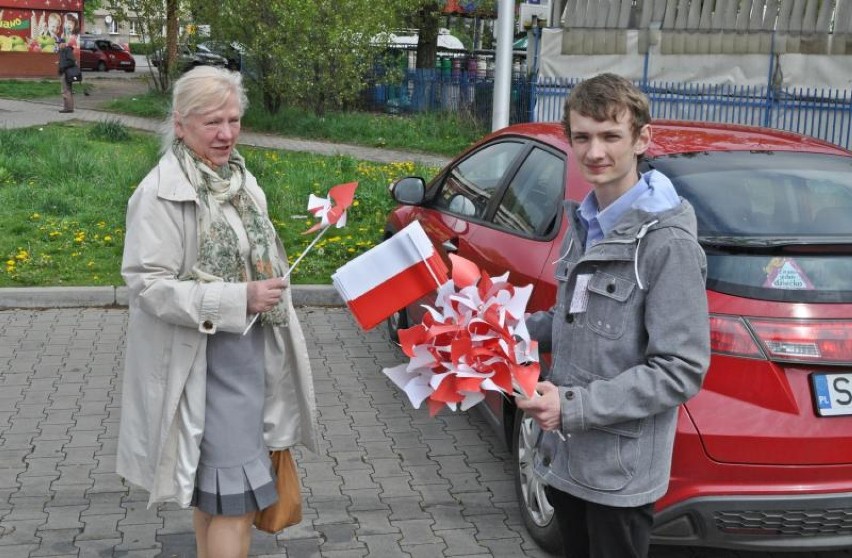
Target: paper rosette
[[474, 340]]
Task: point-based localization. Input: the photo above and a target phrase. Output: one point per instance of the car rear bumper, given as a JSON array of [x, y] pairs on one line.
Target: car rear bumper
[[790, 523]]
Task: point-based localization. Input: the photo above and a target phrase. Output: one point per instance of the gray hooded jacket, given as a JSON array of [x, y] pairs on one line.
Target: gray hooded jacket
[[627, 357]]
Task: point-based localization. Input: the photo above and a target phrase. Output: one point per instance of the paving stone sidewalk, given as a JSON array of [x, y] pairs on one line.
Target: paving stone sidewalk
[[388, 481]]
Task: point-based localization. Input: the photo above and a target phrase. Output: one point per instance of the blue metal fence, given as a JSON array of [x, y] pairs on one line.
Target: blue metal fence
[[822, 113], [466, 93]]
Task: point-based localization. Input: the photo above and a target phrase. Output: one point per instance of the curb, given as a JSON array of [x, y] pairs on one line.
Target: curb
[[80, 297]]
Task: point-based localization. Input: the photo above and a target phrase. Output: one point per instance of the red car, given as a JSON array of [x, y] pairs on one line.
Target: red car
[[103, 55], [763, 454]]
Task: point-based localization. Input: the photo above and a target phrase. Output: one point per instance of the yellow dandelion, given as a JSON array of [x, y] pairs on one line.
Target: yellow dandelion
[[107, 238], [35, 216]]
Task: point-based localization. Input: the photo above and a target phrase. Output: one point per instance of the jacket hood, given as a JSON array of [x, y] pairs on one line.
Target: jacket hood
[[659, 208]]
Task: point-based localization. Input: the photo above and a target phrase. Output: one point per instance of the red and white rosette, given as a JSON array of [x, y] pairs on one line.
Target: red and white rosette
[[474, 340]]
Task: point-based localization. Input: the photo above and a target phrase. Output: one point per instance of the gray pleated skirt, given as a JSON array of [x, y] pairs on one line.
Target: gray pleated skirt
[[234, 475]]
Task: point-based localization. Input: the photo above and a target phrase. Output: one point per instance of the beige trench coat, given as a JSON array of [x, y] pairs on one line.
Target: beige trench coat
[[164, 383]]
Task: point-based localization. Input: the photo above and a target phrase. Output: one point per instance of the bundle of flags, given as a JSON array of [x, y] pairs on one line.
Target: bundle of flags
[[474, 340]]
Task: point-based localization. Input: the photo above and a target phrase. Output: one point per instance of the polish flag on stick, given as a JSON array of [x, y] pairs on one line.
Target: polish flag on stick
[[390, 276], [328, 214]]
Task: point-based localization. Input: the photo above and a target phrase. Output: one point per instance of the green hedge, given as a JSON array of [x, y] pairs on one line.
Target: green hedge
[[140, 48]]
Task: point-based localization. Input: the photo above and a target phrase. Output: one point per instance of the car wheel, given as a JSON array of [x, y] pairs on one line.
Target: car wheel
[[397, 321], [102, 66], [536, 511]]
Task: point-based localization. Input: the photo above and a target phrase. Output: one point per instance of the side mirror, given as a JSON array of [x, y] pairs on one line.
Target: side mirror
[[409, 190], [462, 206]]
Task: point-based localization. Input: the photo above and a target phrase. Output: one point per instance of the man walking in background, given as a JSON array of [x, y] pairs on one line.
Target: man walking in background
[[66, 63]]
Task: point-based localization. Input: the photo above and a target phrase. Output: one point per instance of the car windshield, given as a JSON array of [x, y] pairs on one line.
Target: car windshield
[[775, 225], [107, 45]]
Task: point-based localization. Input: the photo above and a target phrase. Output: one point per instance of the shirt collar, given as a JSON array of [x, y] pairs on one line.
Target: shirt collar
[[607, 218]]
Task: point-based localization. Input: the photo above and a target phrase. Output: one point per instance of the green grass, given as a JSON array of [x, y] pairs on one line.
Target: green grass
[[64, 190], [440, 133], [444, 134], [147, 105], [29, 89]]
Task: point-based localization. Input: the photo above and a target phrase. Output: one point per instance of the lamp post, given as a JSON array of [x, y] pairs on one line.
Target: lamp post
[[503, 64]]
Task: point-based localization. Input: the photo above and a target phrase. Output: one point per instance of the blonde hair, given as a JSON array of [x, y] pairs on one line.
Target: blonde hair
[[198, 91]]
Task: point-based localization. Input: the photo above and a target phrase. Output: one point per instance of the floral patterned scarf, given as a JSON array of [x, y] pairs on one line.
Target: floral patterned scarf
[[219, 257]]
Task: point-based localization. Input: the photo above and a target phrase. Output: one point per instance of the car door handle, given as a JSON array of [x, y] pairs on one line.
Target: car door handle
[[449, 246]]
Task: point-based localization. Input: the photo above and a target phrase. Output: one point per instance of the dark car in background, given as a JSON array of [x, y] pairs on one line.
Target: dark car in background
[[104, 55], [232, 52], [763, 453], [189, 57]]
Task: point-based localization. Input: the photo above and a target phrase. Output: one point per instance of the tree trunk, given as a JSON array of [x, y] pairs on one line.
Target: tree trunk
[[171, 34], [427, 38]]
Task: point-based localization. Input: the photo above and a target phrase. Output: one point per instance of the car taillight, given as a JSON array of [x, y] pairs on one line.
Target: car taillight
[[828, 342], [729, 335], [805, 340]]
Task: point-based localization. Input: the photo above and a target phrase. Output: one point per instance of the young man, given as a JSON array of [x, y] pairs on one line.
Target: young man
[[629, 333]]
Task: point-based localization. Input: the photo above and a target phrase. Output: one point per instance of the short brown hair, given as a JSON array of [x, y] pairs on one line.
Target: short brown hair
[[605, 97]]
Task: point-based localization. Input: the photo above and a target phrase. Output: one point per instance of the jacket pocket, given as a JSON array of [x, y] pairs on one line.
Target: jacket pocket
[[610, 303], [603, 459]]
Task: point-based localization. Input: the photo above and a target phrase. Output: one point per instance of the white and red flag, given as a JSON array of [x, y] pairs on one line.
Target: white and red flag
[[390, 276], [328, 213]]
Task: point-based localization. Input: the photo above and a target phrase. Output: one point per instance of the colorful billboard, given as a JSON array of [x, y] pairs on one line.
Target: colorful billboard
[[37, 30]]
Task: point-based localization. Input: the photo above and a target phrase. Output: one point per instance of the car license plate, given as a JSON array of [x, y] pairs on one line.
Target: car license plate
[[832, 394], [125, 62]]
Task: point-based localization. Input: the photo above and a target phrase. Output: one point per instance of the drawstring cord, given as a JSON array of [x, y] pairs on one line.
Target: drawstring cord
[[639, 236], [565, 255]]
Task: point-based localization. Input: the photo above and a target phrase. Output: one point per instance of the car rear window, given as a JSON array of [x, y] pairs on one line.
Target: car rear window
[[775, 225]]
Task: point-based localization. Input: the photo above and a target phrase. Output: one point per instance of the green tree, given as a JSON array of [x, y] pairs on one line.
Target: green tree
[[426, 16], [309, 54], [153, 17]]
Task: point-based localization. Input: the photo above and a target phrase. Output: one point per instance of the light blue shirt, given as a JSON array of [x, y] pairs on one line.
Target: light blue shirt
[[653, 192]]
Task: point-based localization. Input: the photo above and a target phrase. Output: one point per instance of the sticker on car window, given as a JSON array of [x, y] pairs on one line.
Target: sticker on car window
[[785, 273]]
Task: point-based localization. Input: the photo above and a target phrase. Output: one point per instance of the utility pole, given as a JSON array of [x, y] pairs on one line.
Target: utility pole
[[503, 64]]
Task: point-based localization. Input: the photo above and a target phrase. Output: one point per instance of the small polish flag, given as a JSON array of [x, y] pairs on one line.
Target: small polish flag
[[390, 276]]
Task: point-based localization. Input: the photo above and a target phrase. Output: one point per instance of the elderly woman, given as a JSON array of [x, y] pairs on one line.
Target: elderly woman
[[202, 403]]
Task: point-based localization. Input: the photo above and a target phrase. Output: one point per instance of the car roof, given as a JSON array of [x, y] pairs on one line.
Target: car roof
[[677, 136]]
